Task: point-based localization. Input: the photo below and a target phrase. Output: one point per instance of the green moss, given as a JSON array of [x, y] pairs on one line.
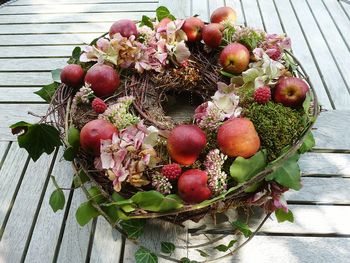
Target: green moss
[[246, 95], [278, 126]]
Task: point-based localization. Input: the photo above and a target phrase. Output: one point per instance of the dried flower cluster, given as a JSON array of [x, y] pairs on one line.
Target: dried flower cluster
[[216, 177]]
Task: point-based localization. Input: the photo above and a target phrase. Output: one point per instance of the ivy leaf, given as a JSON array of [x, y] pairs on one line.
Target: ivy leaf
[[244, 169], [167, 247], [288, 174], [156, 202], [57, 200], [134, 227], [224, 248], [80, 178], [37, 138], [187, 260], [203, 253], [163, 12], [76, 53], [56, 75], [70, 153], [95, 195], [143, 255], [146, 21], [307, 103], [126, 207], [85, 213], [242, 227], [308, 143], [47, 91], [227, 74], [282, 216]]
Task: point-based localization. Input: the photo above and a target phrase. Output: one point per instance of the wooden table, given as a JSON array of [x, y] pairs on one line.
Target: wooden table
[[37, 36]]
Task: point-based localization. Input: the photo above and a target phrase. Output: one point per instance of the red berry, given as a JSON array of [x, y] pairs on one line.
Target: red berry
[[262, 95], [172, 171], [99, 105]]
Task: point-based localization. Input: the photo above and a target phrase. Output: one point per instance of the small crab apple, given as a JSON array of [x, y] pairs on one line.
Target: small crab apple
[[291, 91], [222, 14], [125, 27], [238, 137], [92, 134], [185, 143], [212, 35], [72, 75], [193, 28], [192, 186], [103, 79], [234, 58]]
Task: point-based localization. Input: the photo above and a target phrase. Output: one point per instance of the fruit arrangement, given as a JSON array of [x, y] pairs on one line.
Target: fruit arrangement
[[178, 118]]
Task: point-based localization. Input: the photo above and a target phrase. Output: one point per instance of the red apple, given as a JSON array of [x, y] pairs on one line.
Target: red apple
[[212, 35], [72, 75], [234, 58], [185, 143], [92, 134], [104, 80], [193, 28], [125, 27], [290, 91], [238, 137], [222, 14], [192, 186]]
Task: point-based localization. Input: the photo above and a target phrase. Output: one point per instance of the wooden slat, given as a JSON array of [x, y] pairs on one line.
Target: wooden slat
[[12, 113], [37, 52], [22, 94], [25, 79], [339, 92], [24, 210], [55, 2], [75, 241], [252, 14], [54, 39], [201, 8], [332, 130], [77, 8], [333, 38], [32, 64], [270, 16], [322, 190], [179, 8], [47, 228], [107, 244], [73, 18], [301, 49], [10, 175], [214, 4], [3, 149], [333, 164]]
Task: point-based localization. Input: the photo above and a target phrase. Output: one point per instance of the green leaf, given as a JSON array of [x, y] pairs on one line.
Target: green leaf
[[203, 253], [85, 213], [69, 154], [244, 169], [57, 200], [242, 227], [308, 143], [156, 202], [74, 137], [143, 255], [187, 260], [224, 248], [76, 53], [80, 178], [47, 91], [37, 138], [163, 12], [282, 216], [288, 174], [167, 247], [56, 75], [227, 74], [127, 207], [95, 195], [134, 227], [146, 21]]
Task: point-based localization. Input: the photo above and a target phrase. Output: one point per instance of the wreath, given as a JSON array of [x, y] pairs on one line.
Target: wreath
[[176, 119]]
